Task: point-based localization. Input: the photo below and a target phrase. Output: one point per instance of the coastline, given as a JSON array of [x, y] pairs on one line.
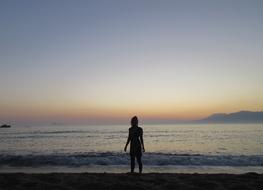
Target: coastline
[[115, 181], [124, 168]]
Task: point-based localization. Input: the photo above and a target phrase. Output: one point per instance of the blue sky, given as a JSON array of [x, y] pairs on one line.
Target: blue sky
[[108, 60]]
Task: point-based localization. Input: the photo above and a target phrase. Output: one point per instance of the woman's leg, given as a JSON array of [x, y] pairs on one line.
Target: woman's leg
[[132, 162], [139, 160]]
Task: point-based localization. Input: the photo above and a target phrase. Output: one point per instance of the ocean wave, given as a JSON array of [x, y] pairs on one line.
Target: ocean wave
[[110, 158]]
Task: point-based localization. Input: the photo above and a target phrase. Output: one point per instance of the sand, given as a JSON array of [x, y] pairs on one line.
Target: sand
[[96, 181]]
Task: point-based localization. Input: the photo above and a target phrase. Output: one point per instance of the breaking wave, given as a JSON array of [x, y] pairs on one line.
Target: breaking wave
[[112, 158]]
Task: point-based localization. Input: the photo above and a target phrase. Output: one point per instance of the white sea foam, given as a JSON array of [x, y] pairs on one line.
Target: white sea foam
[[152, 159], [167, 146]]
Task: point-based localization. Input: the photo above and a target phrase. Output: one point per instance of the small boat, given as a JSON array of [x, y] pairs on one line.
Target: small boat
[[5, 126]]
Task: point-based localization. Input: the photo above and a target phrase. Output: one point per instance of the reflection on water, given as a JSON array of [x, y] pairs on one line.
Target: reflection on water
[[245, 139]]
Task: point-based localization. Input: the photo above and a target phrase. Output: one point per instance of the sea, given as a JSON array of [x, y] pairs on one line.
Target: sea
[[169, 148]]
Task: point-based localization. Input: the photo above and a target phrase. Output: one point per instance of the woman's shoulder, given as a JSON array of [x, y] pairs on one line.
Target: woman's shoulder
[[135, 129]]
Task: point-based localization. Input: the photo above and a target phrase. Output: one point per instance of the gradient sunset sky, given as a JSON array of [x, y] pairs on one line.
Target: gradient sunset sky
[[105, 61]]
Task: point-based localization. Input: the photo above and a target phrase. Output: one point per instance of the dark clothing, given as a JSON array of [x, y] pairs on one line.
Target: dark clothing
[[135, 133], [135, 147]]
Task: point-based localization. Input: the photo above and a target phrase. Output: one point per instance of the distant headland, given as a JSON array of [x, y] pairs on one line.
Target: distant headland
[[237, 117]]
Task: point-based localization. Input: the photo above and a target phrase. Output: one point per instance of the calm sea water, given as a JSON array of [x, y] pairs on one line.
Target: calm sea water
[[169, 148]]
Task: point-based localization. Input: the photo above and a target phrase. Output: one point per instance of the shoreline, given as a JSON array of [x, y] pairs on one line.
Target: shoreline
[[125, 168], [127, 181]]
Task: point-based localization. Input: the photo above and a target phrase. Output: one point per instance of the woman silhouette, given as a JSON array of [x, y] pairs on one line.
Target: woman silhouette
[[137, 146]]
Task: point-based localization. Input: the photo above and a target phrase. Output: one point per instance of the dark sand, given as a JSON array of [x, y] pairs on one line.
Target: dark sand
[[131, 182]]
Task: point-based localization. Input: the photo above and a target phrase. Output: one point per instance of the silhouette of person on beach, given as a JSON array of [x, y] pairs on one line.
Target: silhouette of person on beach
[[135, 139]]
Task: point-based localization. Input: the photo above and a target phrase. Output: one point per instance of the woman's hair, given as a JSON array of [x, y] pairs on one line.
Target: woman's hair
[[134, 121]]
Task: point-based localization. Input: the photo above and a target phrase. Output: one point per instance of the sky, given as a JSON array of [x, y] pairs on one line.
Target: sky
[[104, 61]]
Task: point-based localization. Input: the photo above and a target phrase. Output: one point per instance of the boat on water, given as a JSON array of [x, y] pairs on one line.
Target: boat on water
[[5, 126]]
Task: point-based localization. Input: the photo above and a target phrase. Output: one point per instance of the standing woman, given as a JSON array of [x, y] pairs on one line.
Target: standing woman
[[137, 146]]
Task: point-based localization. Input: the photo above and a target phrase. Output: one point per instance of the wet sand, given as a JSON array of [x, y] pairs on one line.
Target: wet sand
[[97, 181]]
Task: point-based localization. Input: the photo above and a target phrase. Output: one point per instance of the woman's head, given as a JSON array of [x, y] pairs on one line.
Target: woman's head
[[134, 121]]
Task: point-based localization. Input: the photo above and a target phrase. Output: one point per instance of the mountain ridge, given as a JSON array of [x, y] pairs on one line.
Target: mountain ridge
[[235, 117]]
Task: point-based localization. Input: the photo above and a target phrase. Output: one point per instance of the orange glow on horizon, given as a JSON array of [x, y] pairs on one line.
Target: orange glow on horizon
[[119, 114]]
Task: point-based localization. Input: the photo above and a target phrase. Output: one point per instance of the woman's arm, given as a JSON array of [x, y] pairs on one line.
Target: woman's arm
[[142, 143], [128, 141]]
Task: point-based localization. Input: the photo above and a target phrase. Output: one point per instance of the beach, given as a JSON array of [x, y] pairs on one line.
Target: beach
[[97, 181], [93, 90]]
